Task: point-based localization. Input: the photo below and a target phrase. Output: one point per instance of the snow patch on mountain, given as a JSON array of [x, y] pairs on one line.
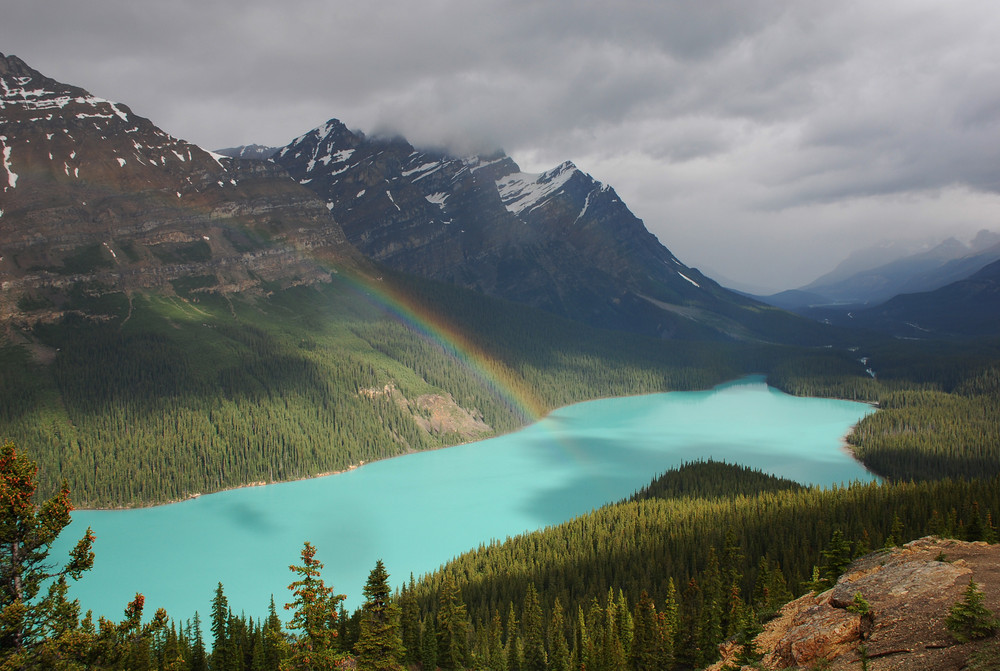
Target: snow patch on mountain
[[392, 200], [689, 279], [437, 198], [521, 191], [11, 175]]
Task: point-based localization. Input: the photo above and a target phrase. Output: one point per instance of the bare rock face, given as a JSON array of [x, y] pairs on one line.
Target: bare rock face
[[92, 195], [560, 240], [909, 591], [439, 414]]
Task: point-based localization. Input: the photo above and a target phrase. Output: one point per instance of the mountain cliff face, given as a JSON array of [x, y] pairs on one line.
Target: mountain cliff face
[[909, 591], [560, 240], [93, 197]]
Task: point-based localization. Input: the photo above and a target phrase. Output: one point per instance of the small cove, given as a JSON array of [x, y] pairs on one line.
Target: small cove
[[416, 512]]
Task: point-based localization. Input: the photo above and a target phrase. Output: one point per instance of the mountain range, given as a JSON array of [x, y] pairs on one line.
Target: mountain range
[[874, 275], [968, 308], [96, 196], [175, 321]]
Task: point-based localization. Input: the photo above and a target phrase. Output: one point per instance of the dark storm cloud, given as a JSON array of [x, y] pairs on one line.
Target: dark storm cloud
[[795, 129]]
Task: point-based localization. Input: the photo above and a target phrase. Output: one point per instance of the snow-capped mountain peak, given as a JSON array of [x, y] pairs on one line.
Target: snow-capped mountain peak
[[521, 192]]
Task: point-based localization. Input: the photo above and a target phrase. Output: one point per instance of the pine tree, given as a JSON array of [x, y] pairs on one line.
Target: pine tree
[[612, 655], [559, 654], [380, 645], [688, 650], [710, 624], [624, 624], [410, 623], [221, 652], [428, 645], [513, 638], [970, 619], [534, 632], [671, 623], [314, 617], [732, 560], [838, 557], [27, 532], [171, 657], [581, 641], [974, 530], [273, 641], [495, 658], [645, 643], [199, 660], [452, 627]]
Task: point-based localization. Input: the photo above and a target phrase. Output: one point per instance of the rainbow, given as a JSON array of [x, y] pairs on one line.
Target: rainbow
[[499, 378]]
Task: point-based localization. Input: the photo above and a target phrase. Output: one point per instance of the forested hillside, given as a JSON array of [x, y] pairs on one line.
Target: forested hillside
[[172, 395], [704, 567], [706, 553]]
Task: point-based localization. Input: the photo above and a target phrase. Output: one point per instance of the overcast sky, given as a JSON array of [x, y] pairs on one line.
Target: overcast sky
[[761, 141]]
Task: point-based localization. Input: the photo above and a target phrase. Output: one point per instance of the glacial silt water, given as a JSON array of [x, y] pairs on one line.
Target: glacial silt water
[[416, 512]]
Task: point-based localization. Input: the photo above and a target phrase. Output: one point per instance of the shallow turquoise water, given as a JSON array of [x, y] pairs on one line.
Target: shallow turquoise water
[[418, 511]]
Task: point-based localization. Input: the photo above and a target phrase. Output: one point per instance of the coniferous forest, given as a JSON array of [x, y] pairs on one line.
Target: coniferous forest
[[318, 380]]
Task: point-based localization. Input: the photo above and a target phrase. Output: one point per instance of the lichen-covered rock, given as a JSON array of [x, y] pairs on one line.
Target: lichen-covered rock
[[909, 591]]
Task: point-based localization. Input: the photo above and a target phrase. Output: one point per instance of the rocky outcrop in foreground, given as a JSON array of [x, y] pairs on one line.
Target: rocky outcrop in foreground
[[909, 590]]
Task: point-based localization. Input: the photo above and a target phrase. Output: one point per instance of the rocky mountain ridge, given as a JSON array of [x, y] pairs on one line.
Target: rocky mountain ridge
[[560, 240], [95, 198], [909, 591]]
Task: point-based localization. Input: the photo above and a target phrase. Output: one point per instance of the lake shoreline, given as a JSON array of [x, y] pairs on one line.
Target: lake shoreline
[[581, 458], [749, 378]]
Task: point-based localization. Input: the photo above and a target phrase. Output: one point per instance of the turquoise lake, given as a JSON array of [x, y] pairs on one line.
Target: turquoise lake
[[416, 512]]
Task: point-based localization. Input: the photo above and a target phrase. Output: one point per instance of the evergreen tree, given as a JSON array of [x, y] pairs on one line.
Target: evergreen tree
[[171, 657], [646, 640], [970, 619], [732, 560], [314, 617], [671, 623], [27, 532], [534, 632], [710, 625], [974, 530], [513, 638], [688, 650], [612, 655], [837, 556], [221, 653], [452, 627], [736, 611], [380, 645], [428, 645], [559, 653], [623, 623], [126, 645], [515, 654], [410, 623], [496, 659], [273, 642], [199, 660], [581, 641]]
